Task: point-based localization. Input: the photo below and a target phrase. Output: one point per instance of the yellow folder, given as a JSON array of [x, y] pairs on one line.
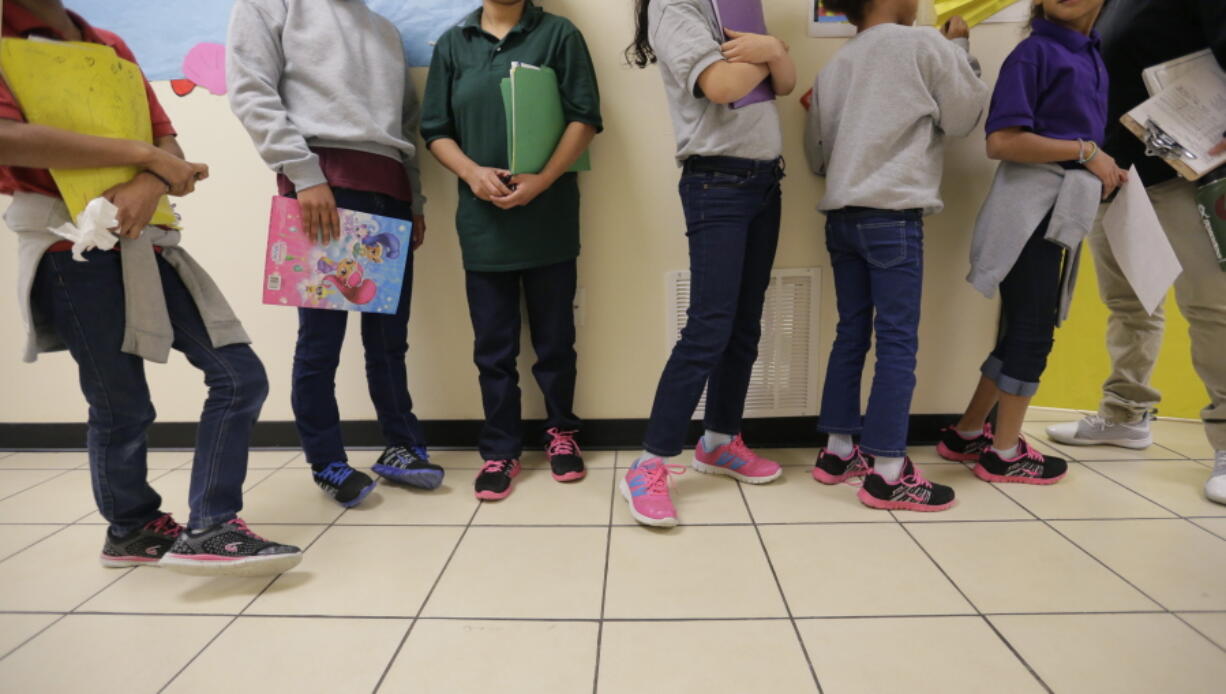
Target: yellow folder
[[973, 11], [88, 89]]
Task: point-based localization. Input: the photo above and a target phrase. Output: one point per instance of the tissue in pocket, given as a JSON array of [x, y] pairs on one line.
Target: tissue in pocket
[[92, 229]]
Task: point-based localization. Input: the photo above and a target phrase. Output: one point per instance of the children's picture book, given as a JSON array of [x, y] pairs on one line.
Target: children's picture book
[[362, 271]]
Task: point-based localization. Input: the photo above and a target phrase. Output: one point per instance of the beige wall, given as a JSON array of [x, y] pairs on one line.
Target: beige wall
[[632, 236]]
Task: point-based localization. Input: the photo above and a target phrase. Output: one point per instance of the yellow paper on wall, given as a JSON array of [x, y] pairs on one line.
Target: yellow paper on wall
[[973, 11], [88, 89]]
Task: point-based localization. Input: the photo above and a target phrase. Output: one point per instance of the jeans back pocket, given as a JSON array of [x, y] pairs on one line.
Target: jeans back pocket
[[885, 244]]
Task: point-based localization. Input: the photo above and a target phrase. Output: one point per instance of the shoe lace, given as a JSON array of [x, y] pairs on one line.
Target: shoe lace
[[655, 475], [336, 473], [741, 450], [420, 452], [241, 525], [165, 525], [987, 431], [1096, 422], [406, 455], [914, 478], [1030, 452], [561, 442], [496, 466]]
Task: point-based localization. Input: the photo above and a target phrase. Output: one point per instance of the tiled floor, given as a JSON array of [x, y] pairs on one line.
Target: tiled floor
[[1112, 581]]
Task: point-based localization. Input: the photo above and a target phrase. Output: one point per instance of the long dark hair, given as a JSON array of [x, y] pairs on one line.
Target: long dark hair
[[639, 53]]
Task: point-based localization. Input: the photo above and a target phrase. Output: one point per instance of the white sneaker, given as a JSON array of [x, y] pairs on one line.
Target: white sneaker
[[1096, 431], [1215, 487]]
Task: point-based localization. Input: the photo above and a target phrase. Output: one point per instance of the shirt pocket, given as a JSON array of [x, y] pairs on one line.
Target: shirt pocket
[[885, 243]]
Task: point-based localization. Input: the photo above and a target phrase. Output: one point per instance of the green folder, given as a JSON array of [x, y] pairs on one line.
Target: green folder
[[535, 121]]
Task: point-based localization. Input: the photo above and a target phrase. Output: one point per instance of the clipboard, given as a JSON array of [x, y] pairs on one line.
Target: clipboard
[[1185, 120]]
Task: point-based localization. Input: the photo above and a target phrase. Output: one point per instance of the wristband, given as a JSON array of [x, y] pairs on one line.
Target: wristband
[[1082, 158], [159, 177]]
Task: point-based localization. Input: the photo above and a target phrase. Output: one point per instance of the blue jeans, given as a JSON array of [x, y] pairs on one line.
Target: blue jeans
[[85, 302], [385, 337], [493, 306], [732, 209], [878, 262]]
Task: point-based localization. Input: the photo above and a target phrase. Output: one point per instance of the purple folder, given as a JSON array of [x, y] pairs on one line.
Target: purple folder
[[744, 15]]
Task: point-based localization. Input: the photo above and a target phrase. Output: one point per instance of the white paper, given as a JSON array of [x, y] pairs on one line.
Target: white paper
[[92, 229], [1139, 245], [1192, 110]]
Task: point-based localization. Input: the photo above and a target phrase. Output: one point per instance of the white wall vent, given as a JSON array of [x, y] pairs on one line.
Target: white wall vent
[[784, 381]]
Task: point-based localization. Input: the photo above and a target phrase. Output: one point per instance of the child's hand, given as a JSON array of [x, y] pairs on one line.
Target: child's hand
[[1103, 166], [136, 200], [487, 182], [525, 189], [757, 49], [419, 231], [956, 28], [181, 175], [319, 215]]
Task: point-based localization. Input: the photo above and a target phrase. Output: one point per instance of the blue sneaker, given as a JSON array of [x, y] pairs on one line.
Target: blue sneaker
[[341, 482], [409, 466]]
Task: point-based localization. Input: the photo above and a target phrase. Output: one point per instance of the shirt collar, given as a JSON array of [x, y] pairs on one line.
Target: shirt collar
[[18, 21], [532, 17], [1073, 40]]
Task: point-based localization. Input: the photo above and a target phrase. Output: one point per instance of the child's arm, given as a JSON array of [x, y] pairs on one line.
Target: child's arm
[[813, 136], [439, 131], [953, 78], [411, 122], [1024, 147], [682, 41], [44, 147], [254, 66], [762, 50]]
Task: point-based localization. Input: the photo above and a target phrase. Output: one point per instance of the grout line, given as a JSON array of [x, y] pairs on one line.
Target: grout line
[[250, 602], [14, 553], [420, 608], [1117, 574], [1016, 654], [33, 636], [592, 620], [604, 587], [804, 650], [37, 484]]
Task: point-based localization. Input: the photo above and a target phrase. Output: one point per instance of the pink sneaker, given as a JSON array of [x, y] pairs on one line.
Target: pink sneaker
[[645, 487], [735, 460]]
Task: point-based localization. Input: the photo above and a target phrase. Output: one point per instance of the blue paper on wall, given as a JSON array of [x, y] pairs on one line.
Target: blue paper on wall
[[166, 35]]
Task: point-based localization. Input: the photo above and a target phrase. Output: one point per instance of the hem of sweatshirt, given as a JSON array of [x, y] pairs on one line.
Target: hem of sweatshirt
[[526, 265], [304, 174], [368, 147]]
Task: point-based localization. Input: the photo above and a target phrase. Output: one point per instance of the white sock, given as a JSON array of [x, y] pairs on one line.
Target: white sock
[[713, 439], [972, 434], [1007, 453], [840, 445], [889, 468], [648, 456]]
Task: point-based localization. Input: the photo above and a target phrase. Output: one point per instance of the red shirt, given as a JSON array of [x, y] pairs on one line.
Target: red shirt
[[357, 170], [19, 22]]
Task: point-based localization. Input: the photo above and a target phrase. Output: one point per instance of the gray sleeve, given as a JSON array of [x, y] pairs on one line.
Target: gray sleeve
[[254, 64], [410, 121], [955, 85], [683, 43], [813, 136]]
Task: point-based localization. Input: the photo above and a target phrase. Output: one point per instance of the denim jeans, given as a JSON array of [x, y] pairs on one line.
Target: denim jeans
[[385, 338], [732, 209], [85, 302], [878, 262], [493, 305], [1029, 306]]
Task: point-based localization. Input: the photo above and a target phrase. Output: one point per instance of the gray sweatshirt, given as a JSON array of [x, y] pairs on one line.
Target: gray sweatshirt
[[321, 73], [880, 111]]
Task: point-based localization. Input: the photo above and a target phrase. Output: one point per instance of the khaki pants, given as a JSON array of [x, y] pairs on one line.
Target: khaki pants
[[1134, 338]]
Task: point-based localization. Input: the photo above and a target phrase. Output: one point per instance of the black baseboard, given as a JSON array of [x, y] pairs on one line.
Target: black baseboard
[[771, 432]]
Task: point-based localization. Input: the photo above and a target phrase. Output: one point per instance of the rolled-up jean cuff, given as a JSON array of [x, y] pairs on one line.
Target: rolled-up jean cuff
[[993, 369]]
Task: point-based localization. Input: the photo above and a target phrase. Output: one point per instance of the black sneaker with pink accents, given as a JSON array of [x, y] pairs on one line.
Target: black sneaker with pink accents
[[144, 546], [229, 549], [565, 458], [912, 492], [1029, 466]]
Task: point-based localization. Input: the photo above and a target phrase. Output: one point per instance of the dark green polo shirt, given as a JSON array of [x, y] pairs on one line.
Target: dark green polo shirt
[[463, 101]]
